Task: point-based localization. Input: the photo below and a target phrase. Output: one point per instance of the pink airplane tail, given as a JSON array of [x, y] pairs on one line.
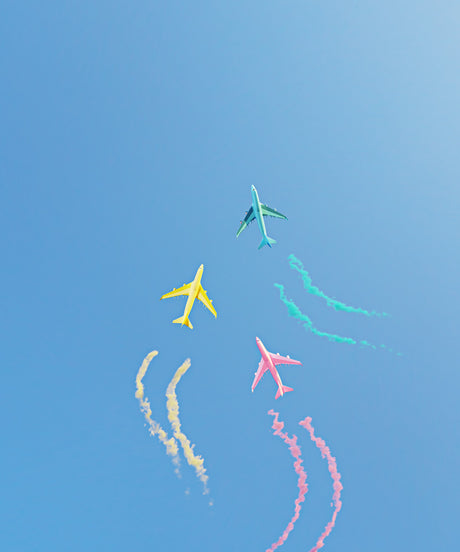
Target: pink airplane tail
[[285, 390]]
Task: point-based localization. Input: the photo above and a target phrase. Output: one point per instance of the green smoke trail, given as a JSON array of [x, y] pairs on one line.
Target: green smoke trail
[[296, 264], [295, 312]]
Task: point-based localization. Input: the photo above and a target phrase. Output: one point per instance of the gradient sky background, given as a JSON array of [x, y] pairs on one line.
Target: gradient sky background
[[131, 133]]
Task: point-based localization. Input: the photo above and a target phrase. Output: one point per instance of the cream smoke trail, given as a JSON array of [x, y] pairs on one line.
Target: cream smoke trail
[[303, 487], [337, 486], [154, 427], [173, 416]]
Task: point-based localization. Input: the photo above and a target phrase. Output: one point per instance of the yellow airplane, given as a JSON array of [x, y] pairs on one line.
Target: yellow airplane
[[194, 290]]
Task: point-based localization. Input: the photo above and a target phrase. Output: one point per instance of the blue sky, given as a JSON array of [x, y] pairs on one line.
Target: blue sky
[[131, 134]]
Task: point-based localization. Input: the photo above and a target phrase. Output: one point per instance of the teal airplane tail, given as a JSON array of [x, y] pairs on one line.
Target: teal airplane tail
[[266, 241], [182, 320]]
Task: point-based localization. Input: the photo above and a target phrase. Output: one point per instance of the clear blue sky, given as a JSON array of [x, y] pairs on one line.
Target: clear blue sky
[[131, 133]]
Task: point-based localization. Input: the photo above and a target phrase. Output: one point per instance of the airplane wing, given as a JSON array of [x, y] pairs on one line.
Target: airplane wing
[[263, 367], [206, 301], [184, 290], [278, 359], [247, 220], [269, 212]]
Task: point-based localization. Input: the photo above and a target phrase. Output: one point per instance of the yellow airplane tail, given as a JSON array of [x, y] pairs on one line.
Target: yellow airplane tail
[[182, 320]]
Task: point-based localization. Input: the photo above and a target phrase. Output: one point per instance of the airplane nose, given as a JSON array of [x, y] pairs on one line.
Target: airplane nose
[[253, 187]]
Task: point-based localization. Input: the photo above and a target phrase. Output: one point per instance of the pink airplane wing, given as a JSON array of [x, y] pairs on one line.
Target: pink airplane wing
[[278, 359], [263, 367]]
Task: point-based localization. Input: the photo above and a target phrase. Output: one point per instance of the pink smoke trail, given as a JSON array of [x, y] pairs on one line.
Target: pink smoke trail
[[303, 487], [337, 486]]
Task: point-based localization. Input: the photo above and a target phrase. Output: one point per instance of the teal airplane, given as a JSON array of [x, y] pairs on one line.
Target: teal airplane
[[257, 212]]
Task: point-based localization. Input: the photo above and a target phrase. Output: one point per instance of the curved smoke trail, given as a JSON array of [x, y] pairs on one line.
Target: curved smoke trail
[[296, 264], [303, 487], [154, 427], [337, 486], [295, 312], [173, 416]]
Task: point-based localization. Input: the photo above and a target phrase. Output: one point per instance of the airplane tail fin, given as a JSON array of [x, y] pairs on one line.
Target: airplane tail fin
[[285, 390], [182, 320], [267, 241]]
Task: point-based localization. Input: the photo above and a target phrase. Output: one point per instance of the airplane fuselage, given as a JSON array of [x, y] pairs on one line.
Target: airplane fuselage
[[258, 212], [271, 366], [194, 289]]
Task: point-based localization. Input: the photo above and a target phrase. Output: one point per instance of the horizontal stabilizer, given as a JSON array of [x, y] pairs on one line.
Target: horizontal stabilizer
[[182, 320], [266, 241], [285, 390]]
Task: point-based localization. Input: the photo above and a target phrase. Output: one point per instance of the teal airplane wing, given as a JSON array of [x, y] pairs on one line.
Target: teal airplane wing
[[247, 220], [269, 212]]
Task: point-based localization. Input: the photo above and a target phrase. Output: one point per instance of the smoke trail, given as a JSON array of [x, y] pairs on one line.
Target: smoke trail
[[296, 264], [154, 427], [295, 312], [173, 416], [337, 486], [303, 487]]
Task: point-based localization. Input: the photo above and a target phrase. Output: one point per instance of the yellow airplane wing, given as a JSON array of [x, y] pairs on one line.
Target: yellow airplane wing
[[206, 301], [184, 290]]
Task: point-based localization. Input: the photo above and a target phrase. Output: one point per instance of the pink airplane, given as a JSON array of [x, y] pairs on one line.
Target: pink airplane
[[268, 362]]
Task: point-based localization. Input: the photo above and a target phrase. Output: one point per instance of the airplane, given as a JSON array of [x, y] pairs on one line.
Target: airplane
[[194, 290], [257, 212], [268, 362]]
